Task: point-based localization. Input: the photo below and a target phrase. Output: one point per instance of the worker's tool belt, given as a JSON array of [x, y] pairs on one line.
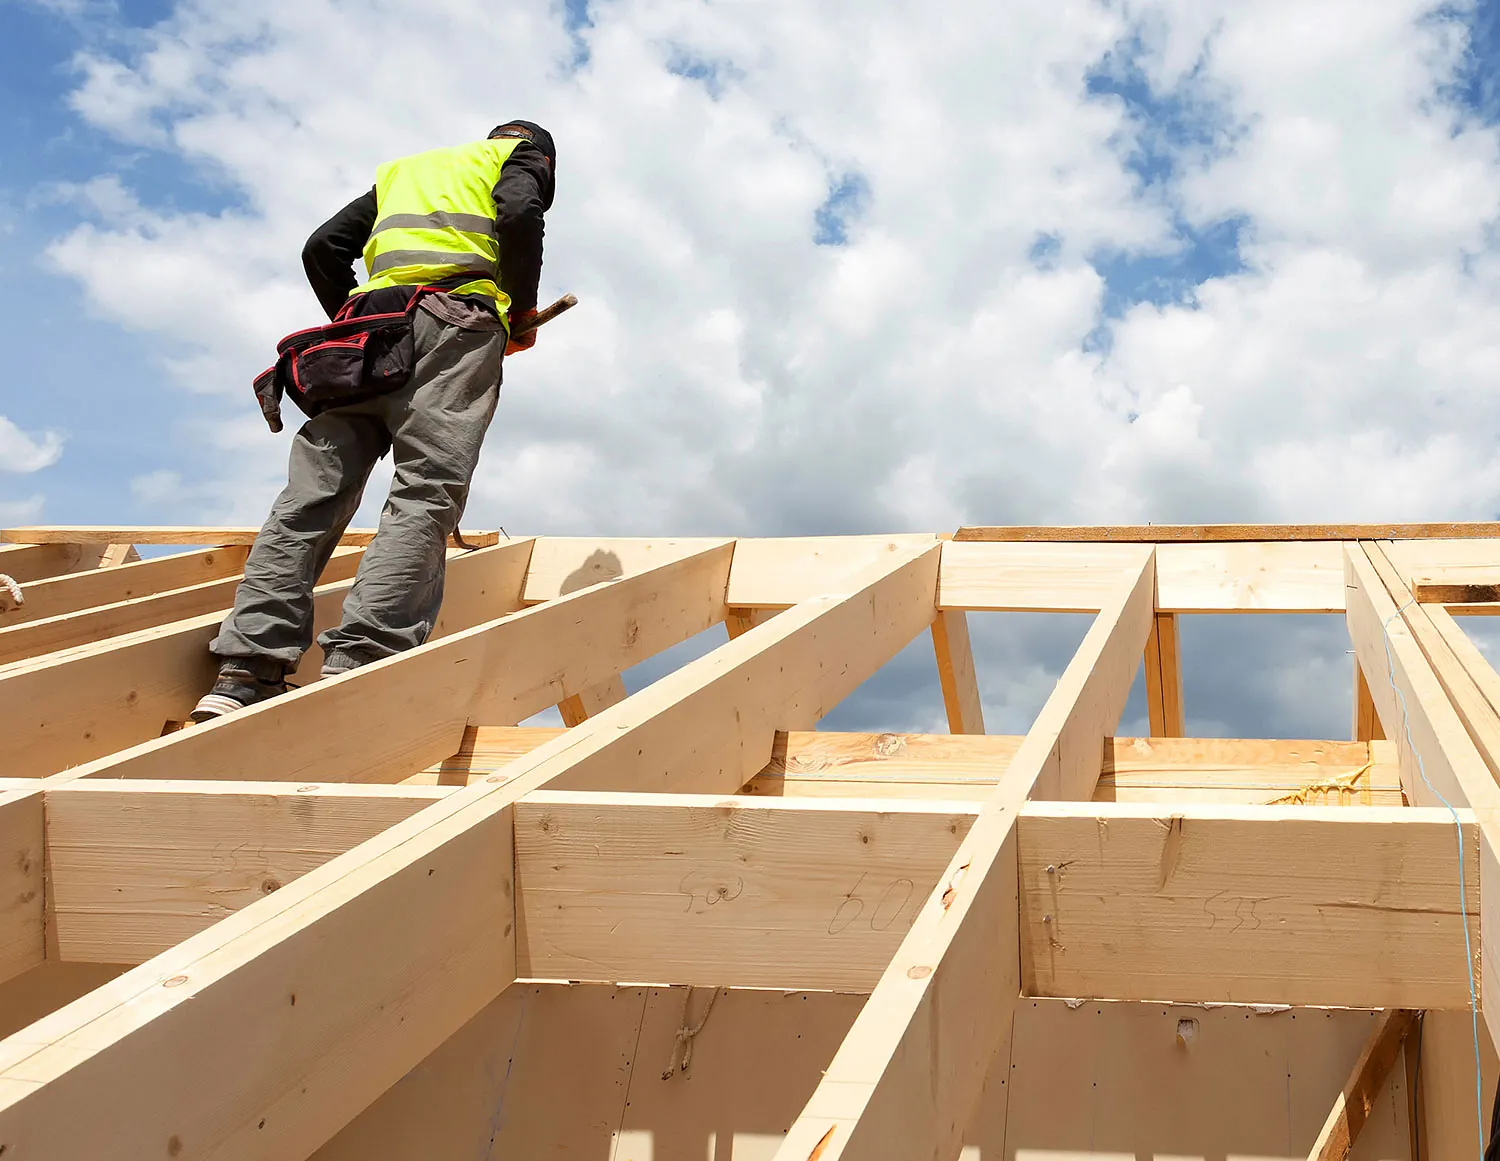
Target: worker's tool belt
[[349, 359]]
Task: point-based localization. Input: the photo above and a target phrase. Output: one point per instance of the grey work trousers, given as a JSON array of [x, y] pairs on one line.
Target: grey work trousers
[[435, 427]]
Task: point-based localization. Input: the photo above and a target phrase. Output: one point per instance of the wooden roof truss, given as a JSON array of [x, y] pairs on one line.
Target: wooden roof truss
[[319, 891]]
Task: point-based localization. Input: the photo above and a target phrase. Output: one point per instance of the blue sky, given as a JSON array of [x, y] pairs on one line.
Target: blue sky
[[1063, 266]]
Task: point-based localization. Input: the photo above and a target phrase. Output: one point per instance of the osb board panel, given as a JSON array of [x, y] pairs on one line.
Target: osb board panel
[[575, 1074], [1112, 1080]]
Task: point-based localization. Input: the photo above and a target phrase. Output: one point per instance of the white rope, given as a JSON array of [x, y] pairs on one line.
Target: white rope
[[685, 1034], [10, 585]]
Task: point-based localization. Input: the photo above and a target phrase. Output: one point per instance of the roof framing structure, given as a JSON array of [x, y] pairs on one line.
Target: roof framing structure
[[310, 898]]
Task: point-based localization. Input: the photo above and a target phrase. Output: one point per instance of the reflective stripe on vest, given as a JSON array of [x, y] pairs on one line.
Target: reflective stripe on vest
[[435, 219]]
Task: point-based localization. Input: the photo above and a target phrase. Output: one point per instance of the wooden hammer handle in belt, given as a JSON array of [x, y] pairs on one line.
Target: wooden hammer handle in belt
[[547, 314]]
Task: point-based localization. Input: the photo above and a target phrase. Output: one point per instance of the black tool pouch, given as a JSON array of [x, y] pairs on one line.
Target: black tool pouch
[[347, 360]]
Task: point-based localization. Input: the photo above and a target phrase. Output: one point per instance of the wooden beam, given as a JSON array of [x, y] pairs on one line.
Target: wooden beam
[[955, 664], [906, 1078], [1366, 721], [22, 871], [704, 890], [1309, 906], [392, 947], [1352, 1107], [827, 764], [582, 706], [564, 564], [25, 563], [102, 534], [86, 590], [1250, 577], [778, 572], [90, 626], [1164, 678], [1054, 578], [93, 701], [1168, 533], [739, 621], [136, 868], [1438, 758], [1457, 586], [503, 669], [116, 555]]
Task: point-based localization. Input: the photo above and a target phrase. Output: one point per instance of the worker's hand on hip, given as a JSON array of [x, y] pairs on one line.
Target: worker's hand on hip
[[520, 342]]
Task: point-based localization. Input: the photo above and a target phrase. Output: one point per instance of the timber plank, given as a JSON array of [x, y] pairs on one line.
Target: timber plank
[[133, 871], [391, 947], [778, 572], [905, 1080], [723, 892], [955, 664], [25, 563], [88, 626], [1168, 533], [85, 590], [1246, 904], [103, 534]]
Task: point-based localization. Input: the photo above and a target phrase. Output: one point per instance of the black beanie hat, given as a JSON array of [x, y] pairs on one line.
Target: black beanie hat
[[531, 131]]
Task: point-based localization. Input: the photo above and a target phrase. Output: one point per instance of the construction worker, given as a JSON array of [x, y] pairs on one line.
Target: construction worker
[[463, 224]]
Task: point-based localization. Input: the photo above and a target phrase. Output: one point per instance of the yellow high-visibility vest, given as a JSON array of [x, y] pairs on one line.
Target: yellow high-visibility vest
[[435, 218]]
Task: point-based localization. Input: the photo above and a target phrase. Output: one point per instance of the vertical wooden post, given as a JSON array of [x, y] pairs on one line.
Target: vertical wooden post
[[1164, 678], [955, 662], [582, 706], [115, 555], [1367, 726], [739, 621]]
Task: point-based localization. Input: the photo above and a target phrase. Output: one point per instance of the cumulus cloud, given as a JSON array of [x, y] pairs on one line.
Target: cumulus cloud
[[20, 452], [857, 269]]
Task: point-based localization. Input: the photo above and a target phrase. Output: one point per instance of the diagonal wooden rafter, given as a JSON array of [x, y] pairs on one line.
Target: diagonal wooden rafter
[[906, 1078], [91, 701], [290, 1016]]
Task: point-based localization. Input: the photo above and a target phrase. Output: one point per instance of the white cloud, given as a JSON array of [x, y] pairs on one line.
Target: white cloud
[[20, 452], [725, 374]]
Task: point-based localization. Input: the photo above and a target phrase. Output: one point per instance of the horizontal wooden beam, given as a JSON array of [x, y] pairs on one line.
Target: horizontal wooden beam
[[1245, 904], [75, 592], [1457, 586], [287, 1018], [136, 868], [192, 534], [564, 564], [700, 889], [777, 572], [826, 763], [1167, 533]]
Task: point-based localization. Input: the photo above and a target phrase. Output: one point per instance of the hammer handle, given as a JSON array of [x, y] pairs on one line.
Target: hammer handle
[[547, 314]]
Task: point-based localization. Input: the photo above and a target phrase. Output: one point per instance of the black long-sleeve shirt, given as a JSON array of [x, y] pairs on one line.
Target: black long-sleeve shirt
[[521, 195]]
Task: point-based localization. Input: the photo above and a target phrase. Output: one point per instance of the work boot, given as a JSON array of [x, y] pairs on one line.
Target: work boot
[[235, 689]]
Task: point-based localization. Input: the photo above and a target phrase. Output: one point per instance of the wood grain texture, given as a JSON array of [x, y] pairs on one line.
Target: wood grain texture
[[391, 947], [777, 572], [22, 904], [714, 891], [586, 703], [25, 563], [905, 1081], [956, 677], [1164, 678], [1353, 1106], [97, 624], [86, 590], [131, 872], [103, 534], [506, 668], [1255, 905], [1077, 578], [564, 564], [1250, 577], [1168, 533]]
